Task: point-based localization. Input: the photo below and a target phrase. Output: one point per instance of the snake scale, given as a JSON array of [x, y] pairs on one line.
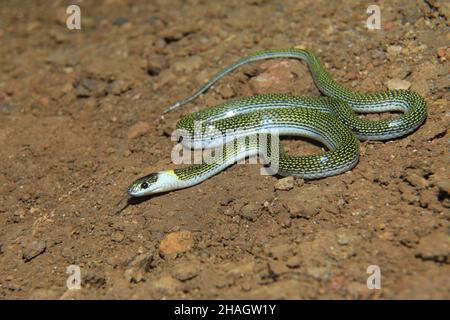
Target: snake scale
[[331, 119]]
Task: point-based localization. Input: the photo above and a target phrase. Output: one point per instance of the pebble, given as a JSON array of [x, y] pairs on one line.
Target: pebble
[[155, 64], [387, 236], [299, 208], [343, 240], [137, 268], [34, 210], [435, 247], [285, 184], [398, 84], [1, 248], [226, 91], [394, 50], [388, 25], [185, 271], [117, 236], [443, 184], [417, 181], [251, 211], [139, 129], [176, 242], [120, 21], [90, 87], [35, 248], [351, 75], [118, 87], [284, 220], [82, 92], [294, 262], [188, 65]]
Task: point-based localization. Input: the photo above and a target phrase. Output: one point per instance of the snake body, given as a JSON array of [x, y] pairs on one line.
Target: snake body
[[332, 120]]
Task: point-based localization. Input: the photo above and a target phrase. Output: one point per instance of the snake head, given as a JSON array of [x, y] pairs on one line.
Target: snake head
[[153, 183]]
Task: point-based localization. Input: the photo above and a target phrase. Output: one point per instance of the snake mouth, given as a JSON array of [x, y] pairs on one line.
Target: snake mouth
[[132, 192], [143, 186]]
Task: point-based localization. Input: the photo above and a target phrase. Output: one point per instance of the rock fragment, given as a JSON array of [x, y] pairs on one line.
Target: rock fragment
[[34, 248]]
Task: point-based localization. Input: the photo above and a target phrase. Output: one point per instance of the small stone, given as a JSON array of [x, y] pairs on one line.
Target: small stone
[[137, 268], [351, 75], [138, 129], [294, 262], [90, 87], [388, 25], [443, 184], [301, 208], [251, 211], [343, 240], [188, 65], [185, 271], [284, 220], [118, 87], [82, 92], [398, 84], [117, 236], [34, 210], [226, 92], [435, 247], [394, 50], [176, 242], [120, 21], [285, 184], [1, 249], [35, 248], [417, 181], [155, 64], [66, 88], [94, 280], [387, 236]]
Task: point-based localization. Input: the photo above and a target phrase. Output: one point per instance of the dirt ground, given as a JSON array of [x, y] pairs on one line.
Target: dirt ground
[[80, 119]]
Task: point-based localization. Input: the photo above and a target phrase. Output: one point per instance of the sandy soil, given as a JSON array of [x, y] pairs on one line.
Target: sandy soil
[[80, 118]]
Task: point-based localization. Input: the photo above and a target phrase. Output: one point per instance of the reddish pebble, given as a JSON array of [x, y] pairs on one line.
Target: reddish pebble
[[352, 75], [176, 242]]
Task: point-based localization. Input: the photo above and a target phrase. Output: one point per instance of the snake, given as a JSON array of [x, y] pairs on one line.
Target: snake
[[250, 126]]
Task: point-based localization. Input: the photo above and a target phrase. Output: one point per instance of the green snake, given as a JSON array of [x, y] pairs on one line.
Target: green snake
[[245, 127]]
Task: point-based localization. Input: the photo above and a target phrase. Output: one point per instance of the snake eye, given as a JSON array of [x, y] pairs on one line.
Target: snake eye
[[144, 185]]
